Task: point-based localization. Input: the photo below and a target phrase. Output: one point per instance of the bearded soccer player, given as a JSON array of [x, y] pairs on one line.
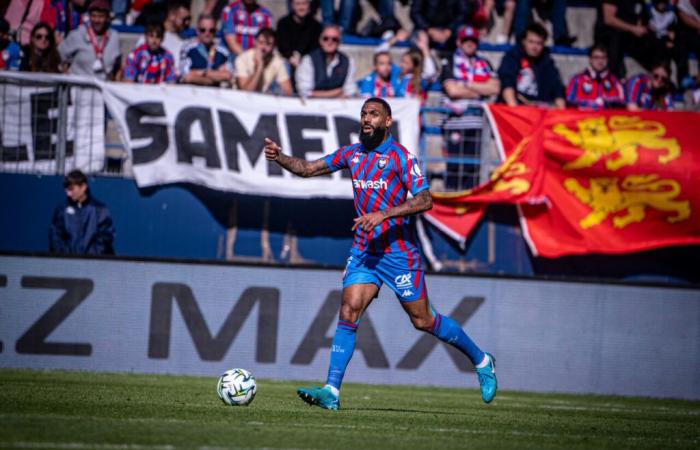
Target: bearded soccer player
[[384, 249]]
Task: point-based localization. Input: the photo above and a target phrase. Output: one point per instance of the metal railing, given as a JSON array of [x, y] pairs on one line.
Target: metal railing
[[52, 124]]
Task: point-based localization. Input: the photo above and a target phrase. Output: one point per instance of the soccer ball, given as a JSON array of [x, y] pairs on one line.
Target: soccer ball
[[236, 387]]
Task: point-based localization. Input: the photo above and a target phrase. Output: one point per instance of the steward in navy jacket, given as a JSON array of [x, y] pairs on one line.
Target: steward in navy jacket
[[85, 228]]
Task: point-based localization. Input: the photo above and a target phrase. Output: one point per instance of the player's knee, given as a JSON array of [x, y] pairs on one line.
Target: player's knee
[[349, 313], [423, 323]]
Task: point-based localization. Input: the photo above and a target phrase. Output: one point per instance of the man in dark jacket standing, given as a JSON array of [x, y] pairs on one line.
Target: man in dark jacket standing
[[81, 225], [528, 74]]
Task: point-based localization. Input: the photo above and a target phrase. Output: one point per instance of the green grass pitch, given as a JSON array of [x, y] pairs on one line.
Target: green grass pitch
[[83, 410]]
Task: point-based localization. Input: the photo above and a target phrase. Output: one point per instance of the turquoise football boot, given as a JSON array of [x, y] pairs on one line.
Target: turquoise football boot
[[319, 396], [487, 380]]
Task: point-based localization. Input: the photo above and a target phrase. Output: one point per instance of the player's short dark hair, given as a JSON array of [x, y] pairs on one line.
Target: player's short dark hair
[[74, 177], [155, 27], [268, 33], [381, 101], [536, 28]]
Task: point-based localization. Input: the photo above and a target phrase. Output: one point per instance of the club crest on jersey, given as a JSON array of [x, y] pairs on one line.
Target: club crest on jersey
[[382, 163]]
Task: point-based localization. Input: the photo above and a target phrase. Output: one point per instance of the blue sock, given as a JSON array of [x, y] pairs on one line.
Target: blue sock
[[447, 330], [341, 352]]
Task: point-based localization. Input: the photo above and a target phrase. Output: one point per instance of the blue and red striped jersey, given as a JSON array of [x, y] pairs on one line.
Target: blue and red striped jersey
[[381, 179], [236, 20], [146, 67], [640, 93]]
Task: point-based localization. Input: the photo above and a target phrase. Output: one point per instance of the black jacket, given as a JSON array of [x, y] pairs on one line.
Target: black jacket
[[300, 37], [450, 14]]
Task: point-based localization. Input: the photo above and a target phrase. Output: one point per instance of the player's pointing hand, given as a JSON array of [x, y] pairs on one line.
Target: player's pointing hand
[[272, 150]]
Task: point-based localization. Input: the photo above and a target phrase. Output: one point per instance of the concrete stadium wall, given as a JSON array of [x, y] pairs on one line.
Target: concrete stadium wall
[[157, 317]]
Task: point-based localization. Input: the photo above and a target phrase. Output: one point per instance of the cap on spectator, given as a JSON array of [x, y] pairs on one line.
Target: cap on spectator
[[468, 33], [100, 5], [4, 26]]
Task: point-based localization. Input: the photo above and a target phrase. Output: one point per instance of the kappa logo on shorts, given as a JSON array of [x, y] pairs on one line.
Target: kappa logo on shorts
[[403, 281], [407, 293]]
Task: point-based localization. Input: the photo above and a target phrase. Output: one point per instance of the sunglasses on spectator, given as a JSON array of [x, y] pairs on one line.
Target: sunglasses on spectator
[[656, 76], [330, 39], [207, 30], [41, 37]]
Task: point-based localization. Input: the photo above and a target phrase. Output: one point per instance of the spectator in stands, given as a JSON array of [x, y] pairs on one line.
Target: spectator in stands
[[469, 76], [418, 69], [150, 63], [297, 34], [326, 72], [622, 27], [505, 8], [93, 49], [662, 18], [205, 61], [10, 52], [81, 224], [384, 81], [651, 93], [261, 68], [177, 20], [69, 16], [23, 15], [241, 21], [596, 87], [440, 20], [692, 94], [554, 10], [528, 74], [41, 55], [687, 39]]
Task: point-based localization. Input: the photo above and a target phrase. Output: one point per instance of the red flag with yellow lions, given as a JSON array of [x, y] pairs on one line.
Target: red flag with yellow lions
[[599, 182], [617, 182]]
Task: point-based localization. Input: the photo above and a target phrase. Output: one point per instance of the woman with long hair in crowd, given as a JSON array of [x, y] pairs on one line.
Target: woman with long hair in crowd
[[418, 70], [41, 55]]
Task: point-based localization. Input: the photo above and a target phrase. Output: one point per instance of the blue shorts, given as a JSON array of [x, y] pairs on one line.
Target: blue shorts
[[401, 271]]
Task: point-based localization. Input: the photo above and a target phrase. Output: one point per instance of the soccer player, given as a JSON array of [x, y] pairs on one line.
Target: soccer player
[[384, 249]]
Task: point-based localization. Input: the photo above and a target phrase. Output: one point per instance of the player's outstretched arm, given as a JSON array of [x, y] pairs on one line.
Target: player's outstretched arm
[[421, 202], [298, 166]]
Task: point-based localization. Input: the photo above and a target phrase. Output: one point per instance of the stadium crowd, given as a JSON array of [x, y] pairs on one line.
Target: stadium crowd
[[299, 55]]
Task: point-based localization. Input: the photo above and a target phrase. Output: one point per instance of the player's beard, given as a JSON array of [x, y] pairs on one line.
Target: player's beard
[[372, 141]]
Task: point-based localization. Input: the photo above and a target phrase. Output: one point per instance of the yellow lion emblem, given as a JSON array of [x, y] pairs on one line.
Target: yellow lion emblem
[[509, 180], [622, 135], [636, 192]]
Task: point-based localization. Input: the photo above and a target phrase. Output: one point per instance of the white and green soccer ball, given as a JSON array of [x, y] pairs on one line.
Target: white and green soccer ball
[[236, 387]]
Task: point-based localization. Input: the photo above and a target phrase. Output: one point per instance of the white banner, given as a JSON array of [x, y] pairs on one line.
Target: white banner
[[214, 137], [29, 123]]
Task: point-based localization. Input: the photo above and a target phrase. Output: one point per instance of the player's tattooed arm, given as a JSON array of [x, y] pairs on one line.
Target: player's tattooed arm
[[298, 166], [421, 202]]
